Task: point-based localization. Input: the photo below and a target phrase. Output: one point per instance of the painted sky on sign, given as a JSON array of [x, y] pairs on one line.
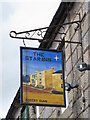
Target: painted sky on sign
[[52, 59]]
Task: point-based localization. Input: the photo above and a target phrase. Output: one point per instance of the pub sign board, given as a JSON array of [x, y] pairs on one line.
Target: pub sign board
[[42, 77]]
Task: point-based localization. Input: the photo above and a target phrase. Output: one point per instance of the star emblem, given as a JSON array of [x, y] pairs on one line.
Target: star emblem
[[56, 58]]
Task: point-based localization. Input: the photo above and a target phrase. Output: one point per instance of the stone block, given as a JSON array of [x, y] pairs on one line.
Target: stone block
[[72, 30], [72, 117], [75, 73], [41, 109], [87, 97], [46, 112], [76, 94], [76, 8], [85, 80], [86, 113], [70, 96], [66, 113], [86, 40], [58, 112], [78, 107], [79, 51], [81, 116], [86, 24], [67, 38], [68, 66], [69, 78], [74, 57], [67, 52], [85, 7], [31, 113], [53, 114], [76, 35]]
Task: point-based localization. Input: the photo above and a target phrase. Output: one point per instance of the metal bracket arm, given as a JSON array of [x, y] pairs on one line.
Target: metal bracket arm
[[38, 34], [29, 35]]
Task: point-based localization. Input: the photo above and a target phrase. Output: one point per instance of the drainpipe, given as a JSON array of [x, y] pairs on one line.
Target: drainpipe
[[27, 112]]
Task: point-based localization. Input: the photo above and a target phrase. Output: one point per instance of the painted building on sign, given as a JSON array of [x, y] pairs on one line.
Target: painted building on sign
[[47, 79], [57, 81], [77, 99], [43, 78]]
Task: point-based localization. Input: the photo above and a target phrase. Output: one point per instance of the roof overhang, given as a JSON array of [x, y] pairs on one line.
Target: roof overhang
[[14, 106], [58, 19]]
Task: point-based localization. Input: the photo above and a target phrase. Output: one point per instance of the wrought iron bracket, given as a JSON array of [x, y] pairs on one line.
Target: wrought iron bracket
[[38, 34], [30, 34]]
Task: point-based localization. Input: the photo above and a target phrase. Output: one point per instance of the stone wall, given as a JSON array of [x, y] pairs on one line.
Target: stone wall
[[79, 99]]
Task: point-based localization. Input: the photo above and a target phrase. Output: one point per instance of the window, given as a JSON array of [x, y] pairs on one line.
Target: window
[[33, 81], [40, 74], [61, 85], [61, 77], [40, 80]]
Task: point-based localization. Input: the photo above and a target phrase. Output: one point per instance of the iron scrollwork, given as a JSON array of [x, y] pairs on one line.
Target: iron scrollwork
[[37, 34]]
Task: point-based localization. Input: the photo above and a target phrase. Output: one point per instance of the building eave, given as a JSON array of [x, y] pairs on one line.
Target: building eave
[[58, 19], [14, 106]]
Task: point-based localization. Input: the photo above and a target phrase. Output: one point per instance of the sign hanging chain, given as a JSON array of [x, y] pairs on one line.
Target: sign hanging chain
[[24, 42]]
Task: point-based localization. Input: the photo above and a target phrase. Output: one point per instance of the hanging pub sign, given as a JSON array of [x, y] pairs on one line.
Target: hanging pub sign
[[42, 77]]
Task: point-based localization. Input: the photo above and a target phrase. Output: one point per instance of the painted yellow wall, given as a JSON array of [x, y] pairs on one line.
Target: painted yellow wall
[[37, 76], [43, 78], [57, 81], [48, 79]]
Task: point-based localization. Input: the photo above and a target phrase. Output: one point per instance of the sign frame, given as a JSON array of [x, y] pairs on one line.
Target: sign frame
[[21, 71]]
